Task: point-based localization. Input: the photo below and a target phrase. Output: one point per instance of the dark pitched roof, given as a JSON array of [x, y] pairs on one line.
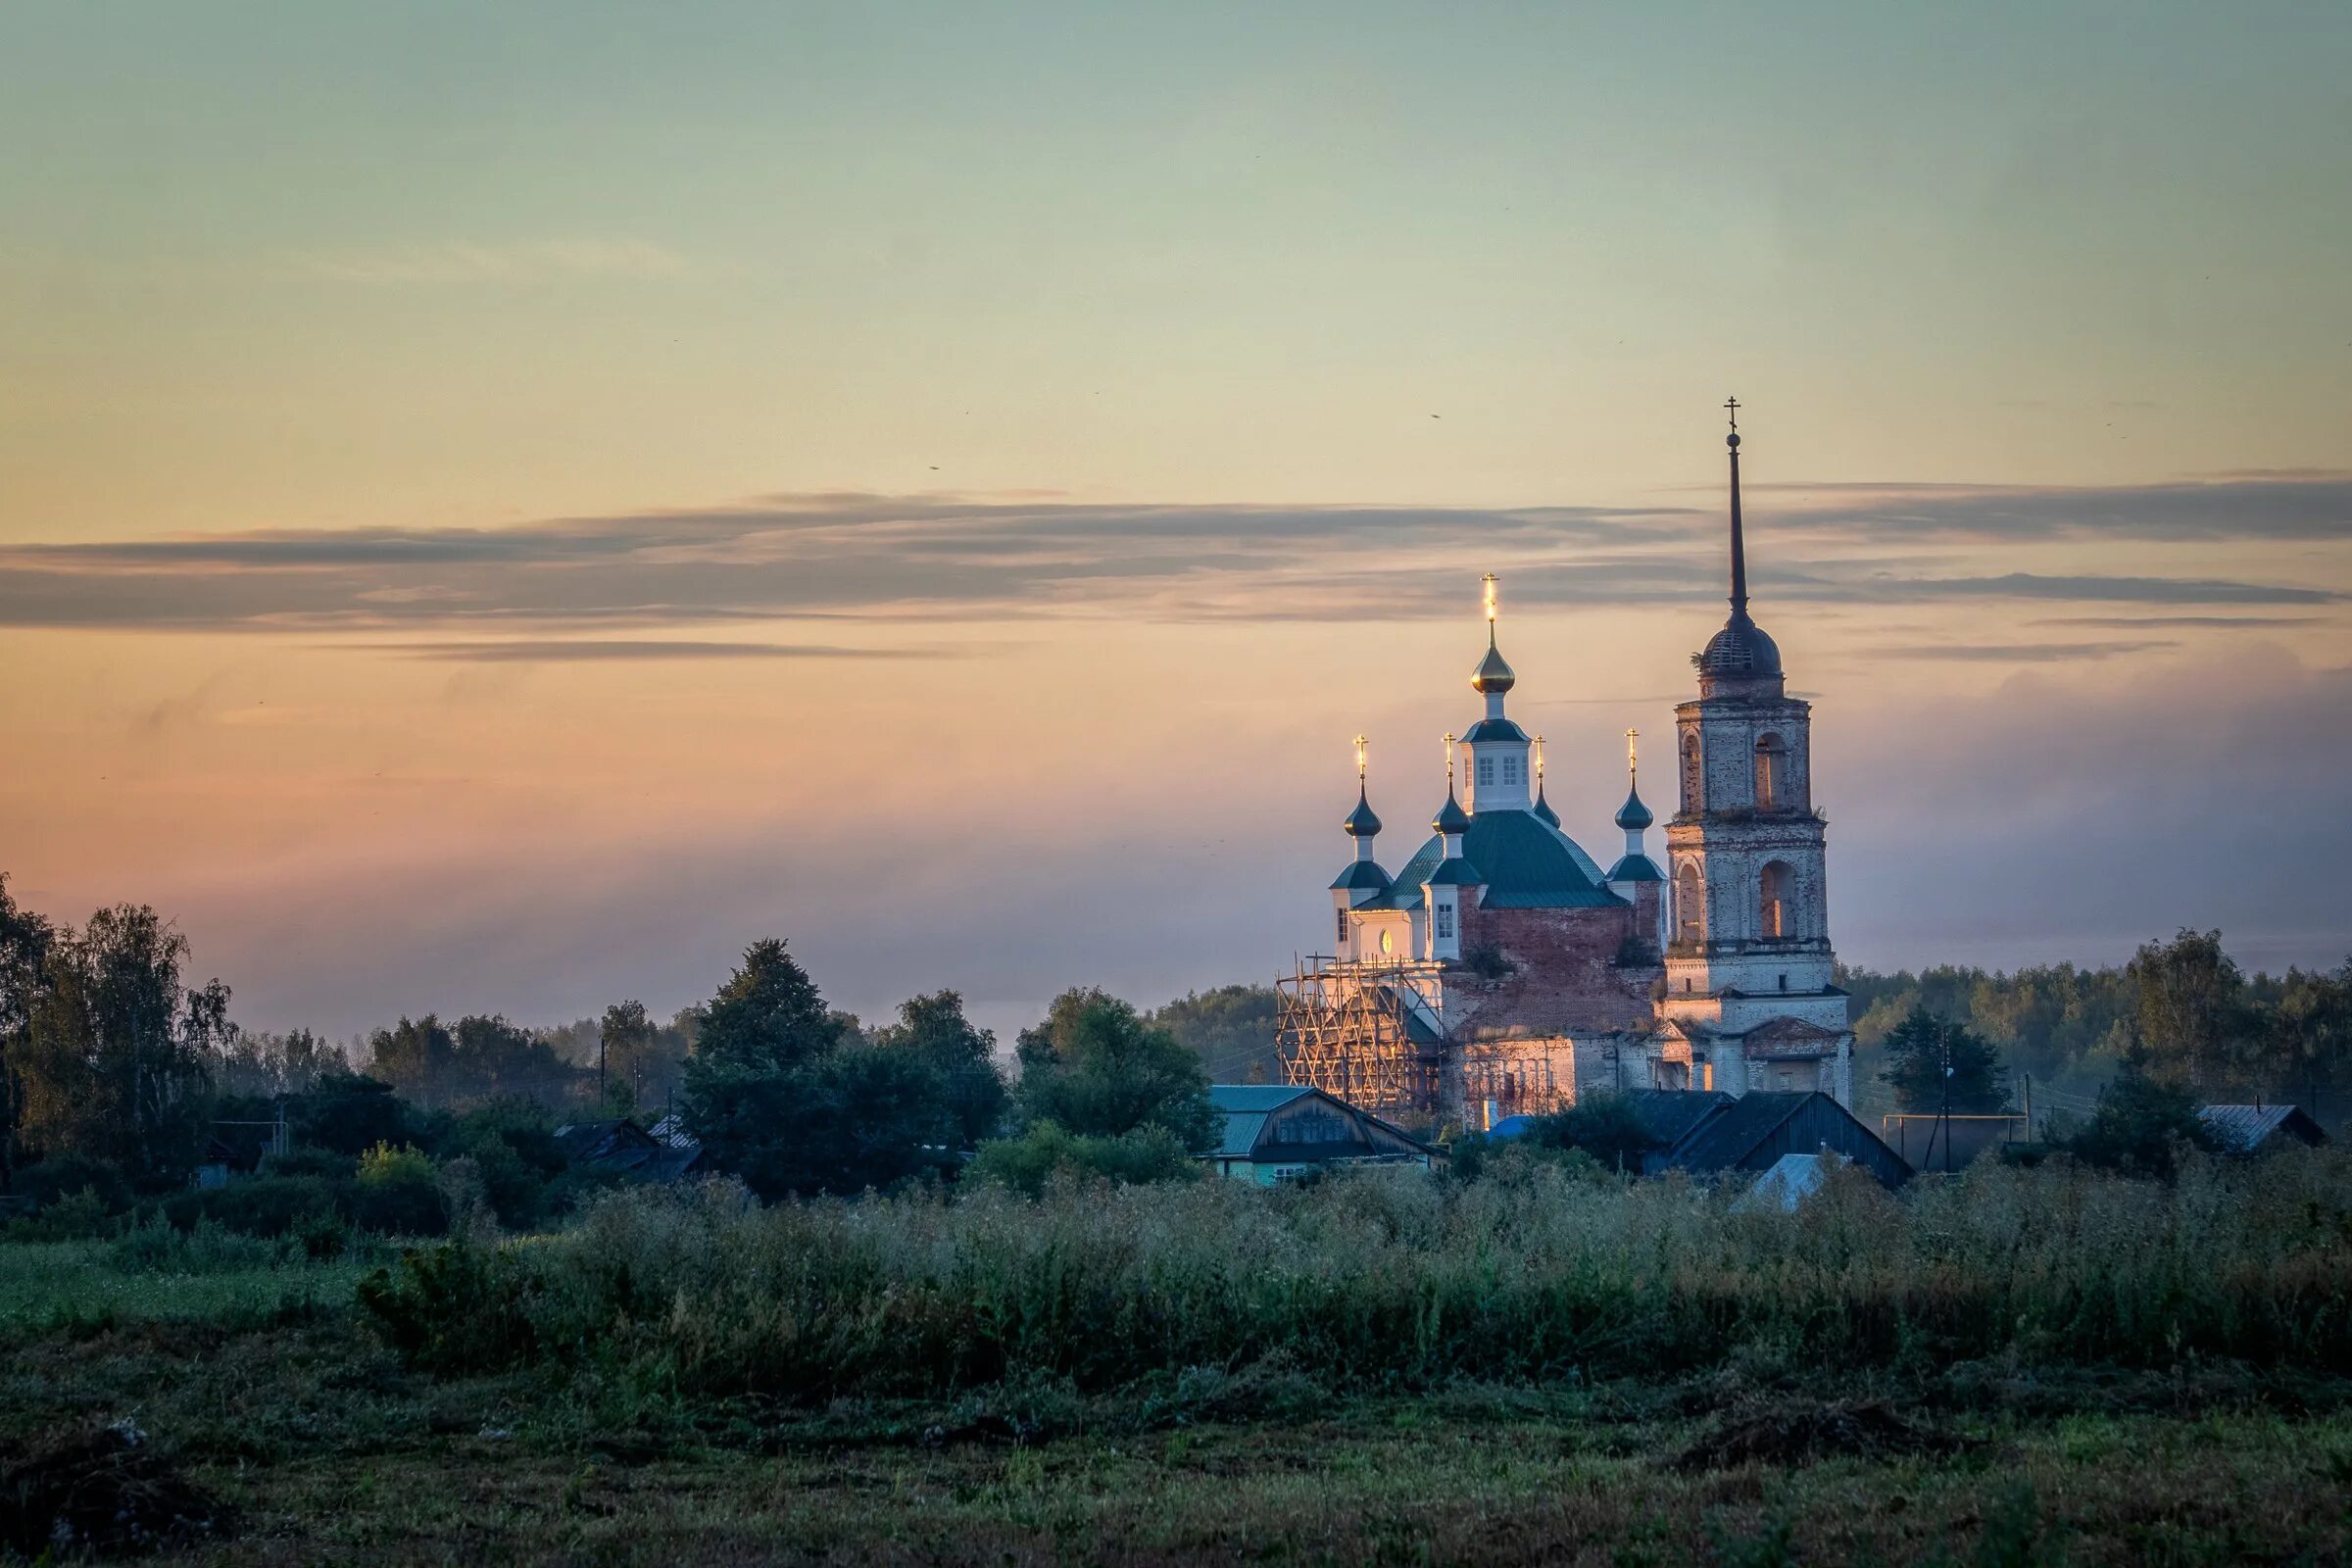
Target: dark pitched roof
[[1527, 863], [1720, 1140], [2243, 1129], [1636, 868], [1670, 1113], [1361, 876]]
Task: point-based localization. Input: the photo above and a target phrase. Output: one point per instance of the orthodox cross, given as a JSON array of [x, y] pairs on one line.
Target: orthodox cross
[[1630, 766], [1488, 580], [1538, 759], [1450, 761], [1360, 758], [1733, 403]]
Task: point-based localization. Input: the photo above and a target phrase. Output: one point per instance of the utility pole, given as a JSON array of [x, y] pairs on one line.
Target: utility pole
[[1943, 1044], [2029, 1108]]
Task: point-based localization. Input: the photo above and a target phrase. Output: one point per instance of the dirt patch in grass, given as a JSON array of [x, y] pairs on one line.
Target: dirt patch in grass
[[1804, 1434], [106, 1491]]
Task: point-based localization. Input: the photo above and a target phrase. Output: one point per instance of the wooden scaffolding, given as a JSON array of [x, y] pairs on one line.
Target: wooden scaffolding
[[1346, 1029]]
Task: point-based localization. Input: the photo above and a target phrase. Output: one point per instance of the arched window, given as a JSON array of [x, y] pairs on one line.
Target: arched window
[[1691, 792], [1777, 917], [1689, 905], [1771, 773]]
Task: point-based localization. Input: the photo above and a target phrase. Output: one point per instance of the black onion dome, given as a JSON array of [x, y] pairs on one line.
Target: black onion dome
[[1493, 673], [1741, 651], [1633, 814], [1451, 817], [1543, 808], [1360, 823]]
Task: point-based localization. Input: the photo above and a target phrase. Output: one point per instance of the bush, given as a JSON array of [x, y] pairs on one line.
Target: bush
[[62, 1175], [1604, 1126], [1027, 1163], [398, 1192], [156, 1246], [326, 1163], [267, 1205]]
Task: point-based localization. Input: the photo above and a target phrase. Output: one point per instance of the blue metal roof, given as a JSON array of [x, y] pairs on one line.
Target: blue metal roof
[[1361, 876], [1493, 729], [1636, 868], [1526, 862]]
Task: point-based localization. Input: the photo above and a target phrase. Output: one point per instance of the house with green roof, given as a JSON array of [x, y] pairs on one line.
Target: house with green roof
[[1279, 1132]]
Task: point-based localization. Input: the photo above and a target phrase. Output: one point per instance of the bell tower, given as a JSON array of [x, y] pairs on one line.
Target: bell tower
[[1749, 964]]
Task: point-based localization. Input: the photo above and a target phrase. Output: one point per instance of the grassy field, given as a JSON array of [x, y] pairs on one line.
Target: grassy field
[[255, 1385]]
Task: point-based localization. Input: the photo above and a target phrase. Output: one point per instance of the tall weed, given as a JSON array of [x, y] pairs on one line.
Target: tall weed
[[1387, 1279]]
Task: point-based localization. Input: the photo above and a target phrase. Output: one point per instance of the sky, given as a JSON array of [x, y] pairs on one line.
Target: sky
[[501, 508]]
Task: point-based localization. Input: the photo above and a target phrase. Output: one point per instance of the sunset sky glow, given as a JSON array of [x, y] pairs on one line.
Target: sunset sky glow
[[501, 507]]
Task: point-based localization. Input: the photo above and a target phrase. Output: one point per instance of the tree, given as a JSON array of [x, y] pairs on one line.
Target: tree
[[264, 1065], [793, 1098], [1097, 1068], [935, 1029], [2188, 1011], [767, 1015], [415, 1057], [1606, 1126], [2140, 1124], [25, 942], [624, 1043], [1923, 1046], [1231, 1029], [2309, 1032], [116, 1057]]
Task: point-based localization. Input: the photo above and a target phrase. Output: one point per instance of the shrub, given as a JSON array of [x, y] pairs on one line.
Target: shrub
[[159, 1247], [1025, 1165], [312, 1162], [397, 1194], [267, 1205], [61, 1175]]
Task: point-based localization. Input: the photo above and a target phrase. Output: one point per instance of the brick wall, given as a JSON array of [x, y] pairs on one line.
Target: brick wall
[[1564, 977]]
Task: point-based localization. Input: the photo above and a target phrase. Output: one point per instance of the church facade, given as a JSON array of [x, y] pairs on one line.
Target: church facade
[[1501, 970]]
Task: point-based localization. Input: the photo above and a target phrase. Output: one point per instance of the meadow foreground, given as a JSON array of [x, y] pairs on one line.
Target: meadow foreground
[[2015, 1367]]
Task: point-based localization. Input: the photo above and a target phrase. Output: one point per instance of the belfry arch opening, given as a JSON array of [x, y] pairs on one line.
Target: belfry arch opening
[[1771, 773], [1690, 906], [1776, 893]]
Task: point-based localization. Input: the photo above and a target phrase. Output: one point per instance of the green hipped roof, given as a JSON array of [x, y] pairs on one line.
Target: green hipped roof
[[1361, 876], [1637, 868], [1493, 729], [1525, 862], [1455, 873]]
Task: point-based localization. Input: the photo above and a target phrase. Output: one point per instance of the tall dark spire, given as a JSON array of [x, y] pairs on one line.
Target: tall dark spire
[[1739, 547], [1739, 652]]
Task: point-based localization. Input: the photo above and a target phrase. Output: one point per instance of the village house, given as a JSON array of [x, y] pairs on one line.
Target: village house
[[1279, 1132]]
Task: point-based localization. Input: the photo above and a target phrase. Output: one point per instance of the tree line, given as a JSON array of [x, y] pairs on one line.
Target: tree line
[[117, 1074], [2182, 1012]]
